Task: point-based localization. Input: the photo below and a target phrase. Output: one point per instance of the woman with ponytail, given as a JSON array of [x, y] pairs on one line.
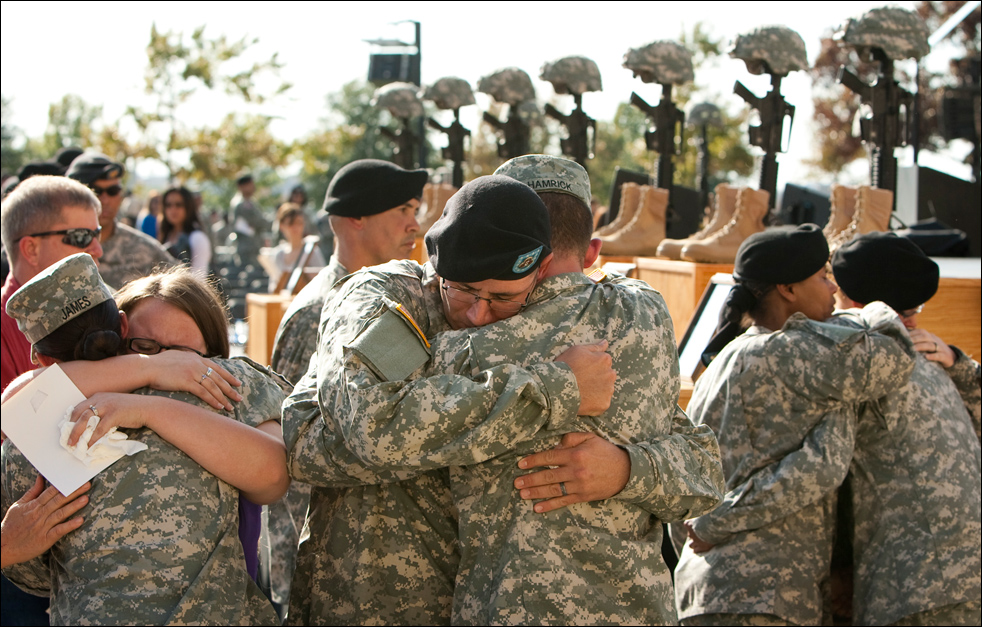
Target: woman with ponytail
[[782, 398], [160, 544]]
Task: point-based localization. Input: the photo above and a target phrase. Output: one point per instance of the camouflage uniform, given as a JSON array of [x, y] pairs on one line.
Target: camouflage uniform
[[160, 541], [783, 406], [446, 420], [916, 497], [130, 254], [249, 226], [296, 340]]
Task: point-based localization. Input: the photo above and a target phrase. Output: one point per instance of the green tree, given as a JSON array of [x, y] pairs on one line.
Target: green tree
[[177, 67]]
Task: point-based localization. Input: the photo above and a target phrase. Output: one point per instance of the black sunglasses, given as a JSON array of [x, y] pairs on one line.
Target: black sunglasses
[[79, 238], [112, 190]]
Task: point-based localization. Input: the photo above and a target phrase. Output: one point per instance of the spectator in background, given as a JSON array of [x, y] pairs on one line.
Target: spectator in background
[[179, 229], [292, 224], [127, 253], [147, 220], [247, 219]]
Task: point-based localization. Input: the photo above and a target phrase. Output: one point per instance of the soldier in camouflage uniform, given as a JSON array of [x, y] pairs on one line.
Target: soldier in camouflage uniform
[[160, 545], [373, 193], [410, 437], [916, 468], [783, 405], [127, 253]]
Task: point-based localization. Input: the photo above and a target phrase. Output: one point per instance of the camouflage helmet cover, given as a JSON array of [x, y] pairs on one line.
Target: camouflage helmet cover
[[511, 86], [662, 62], [771, 50], [572, 75], [400, 99], [704, 113], [901, 34], [450, 93]]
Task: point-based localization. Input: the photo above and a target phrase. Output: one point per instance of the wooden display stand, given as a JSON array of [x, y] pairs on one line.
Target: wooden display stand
[[264, 312], [419, 252], [955, 313]]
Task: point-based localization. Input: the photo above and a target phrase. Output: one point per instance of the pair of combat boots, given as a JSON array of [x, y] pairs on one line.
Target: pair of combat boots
[[435, 197], [640, 223], [857, 211], [738, 213]]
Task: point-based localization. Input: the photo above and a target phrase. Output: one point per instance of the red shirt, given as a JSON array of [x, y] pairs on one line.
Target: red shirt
[[15, 350]]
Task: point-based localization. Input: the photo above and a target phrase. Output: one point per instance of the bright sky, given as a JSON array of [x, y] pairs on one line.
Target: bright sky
[[97, 50]]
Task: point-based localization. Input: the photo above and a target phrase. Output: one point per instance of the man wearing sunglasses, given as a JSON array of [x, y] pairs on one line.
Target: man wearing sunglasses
[[127, 253], [44, 220]]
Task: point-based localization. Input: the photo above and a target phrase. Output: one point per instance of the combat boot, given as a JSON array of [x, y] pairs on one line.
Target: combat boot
[[630, 202], [724, 202], [641, 237], [721, 246], [841, 210], [440, 193], [873, 209]]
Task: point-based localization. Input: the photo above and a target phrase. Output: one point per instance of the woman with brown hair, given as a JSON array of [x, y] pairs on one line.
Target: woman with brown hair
[[180, 230]]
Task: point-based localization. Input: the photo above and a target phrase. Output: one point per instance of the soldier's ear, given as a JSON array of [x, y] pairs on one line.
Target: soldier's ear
[[29, 249], [592, 252], [124, 325], [786, 292]]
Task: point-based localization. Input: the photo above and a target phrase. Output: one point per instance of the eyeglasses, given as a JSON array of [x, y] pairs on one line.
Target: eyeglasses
[[146, 346], [497, 305], [112, 190], [79, 238], [910, 313]]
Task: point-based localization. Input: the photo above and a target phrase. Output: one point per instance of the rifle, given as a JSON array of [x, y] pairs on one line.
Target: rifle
[[454, 150], [669, 123], [515, 131], [769, 134], [577, 145]]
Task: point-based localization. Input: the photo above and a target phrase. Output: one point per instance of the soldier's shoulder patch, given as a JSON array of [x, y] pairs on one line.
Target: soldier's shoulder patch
[[393, 345]]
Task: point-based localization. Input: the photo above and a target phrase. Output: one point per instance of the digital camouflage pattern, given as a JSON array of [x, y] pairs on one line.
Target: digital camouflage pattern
[[130, 254], [296, 339], [572, 75], [771, 50], [399, 99], [545, 173], [511, 86], [450, 92], [704, 113], [160, 541], [39, 310], [900, 33], [917, 496], [783, 407], [662, 62]]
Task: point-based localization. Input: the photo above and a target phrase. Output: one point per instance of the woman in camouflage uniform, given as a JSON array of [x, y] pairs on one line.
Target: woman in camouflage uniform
[[160, 542]]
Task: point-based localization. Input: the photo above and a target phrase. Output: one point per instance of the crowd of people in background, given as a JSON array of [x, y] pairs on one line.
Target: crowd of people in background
[[491, 437]]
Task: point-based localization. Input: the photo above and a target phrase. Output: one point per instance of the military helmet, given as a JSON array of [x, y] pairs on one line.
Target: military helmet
[[704, 113], [900, 33], [400, 99], [662, 62], [572, 75], [450, 93], [771, 50], [511, 86]]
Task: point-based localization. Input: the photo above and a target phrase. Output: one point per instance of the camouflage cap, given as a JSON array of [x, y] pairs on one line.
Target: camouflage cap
[[704, 113], [400, 99], [57, 294], [662, 62], [511, 86], [545, 173], [450, 92], [901, 34], [572, 75], [771, 50]]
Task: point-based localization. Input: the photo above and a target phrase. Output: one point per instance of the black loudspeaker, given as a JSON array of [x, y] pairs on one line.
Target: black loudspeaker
[[389, 68], [801, 205]]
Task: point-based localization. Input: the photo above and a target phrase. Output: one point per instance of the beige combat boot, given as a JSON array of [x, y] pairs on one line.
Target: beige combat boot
[[725, 202], [721, 246], [439, 194], [641, 237], [841, 210], [630, 203], [873, 209]]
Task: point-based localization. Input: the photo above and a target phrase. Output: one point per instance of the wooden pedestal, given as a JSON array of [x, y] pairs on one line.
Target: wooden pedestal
[[264, 312], [955, 313], [681, 284]]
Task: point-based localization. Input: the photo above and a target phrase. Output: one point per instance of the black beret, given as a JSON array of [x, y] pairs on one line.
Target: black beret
[[40, 168], [90, 167], [885, 267], [493, 228], [782, 255], [65, 156], [370, 186]]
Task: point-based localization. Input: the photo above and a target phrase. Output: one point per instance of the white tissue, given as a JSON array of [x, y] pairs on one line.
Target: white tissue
[[109, 448]]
